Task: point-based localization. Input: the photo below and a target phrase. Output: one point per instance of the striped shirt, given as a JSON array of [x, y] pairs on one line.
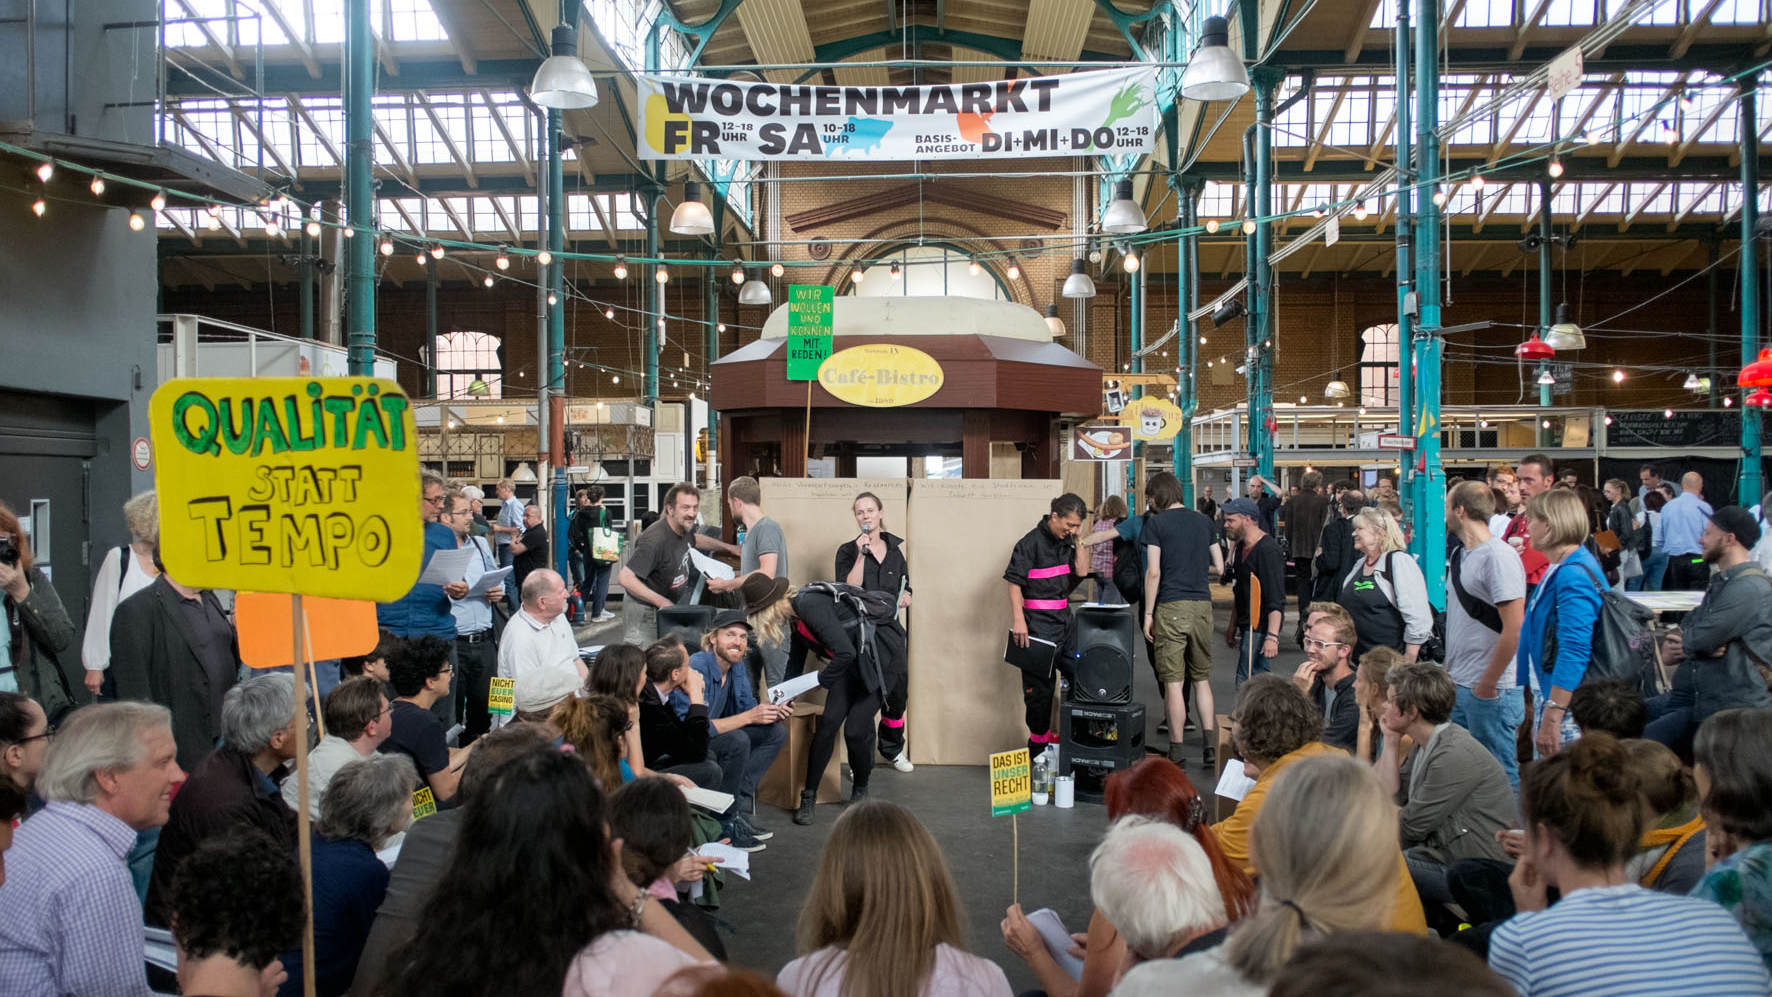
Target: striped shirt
[[70, 923], [1625, 941]]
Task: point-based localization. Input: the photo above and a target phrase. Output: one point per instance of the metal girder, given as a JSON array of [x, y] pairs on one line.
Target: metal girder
[[297, 36], [467, 166], [399, 157], [1619, 57], [227, 51], [1007, 49], [703, 32], [504, 129], [415, 74], [246, 122], [1123, 22], [301, 111]]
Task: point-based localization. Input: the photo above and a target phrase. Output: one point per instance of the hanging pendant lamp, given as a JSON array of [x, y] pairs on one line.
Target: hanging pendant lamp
[[1535, 349], [1564, 335], [1757, 374]]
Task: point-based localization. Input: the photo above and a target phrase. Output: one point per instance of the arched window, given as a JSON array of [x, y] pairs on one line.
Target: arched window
[[929, 270], [1378, 365], [462, 358]]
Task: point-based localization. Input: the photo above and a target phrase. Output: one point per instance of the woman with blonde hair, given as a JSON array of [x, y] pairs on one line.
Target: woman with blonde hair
[[1557, 636], [874, 562], [125, 571], [1320, 875], [1384, 591], [1370, 682], [882, 918]]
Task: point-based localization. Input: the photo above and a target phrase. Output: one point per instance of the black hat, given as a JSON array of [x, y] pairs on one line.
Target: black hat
[[729, 618], [1734, 519]]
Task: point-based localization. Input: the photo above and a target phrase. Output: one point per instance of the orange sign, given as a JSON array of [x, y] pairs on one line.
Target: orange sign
[[337, 628]]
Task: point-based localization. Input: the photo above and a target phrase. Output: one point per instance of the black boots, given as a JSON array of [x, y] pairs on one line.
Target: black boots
[[803, 816], [858, 792]]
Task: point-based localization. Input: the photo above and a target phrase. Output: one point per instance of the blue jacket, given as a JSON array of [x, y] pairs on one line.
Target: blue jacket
[[425, 609], [1571, 596], [728, 696]]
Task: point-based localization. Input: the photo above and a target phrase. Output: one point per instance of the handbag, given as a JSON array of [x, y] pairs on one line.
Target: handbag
[[1607, 542], [1630, 565], [605, 545]]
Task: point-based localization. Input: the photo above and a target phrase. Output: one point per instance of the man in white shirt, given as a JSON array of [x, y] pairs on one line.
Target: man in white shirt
[[356, 724], [538, 635], [476, 655]]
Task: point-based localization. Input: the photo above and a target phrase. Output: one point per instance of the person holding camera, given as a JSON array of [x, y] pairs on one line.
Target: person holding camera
[[37, 627]]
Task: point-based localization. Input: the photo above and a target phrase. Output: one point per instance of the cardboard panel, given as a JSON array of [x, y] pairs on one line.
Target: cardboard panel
[[815, 518], [337, 628], [965, 702]]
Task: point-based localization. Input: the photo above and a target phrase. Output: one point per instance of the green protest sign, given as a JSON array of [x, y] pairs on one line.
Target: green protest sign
[[810, 328]]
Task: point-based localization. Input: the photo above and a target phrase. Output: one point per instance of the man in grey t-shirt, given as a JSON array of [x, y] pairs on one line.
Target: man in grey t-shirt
[[1485, 604], [764, 552]]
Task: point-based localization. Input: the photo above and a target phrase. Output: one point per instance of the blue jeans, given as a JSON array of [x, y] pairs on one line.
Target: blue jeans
[[1243, 667], [1495, 723], [599, 584], [1671, 721], [1653, 567]]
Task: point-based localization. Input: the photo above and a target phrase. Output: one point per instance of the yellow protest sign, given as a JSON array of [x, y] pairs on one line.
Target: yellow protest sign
[[424, 802], [288, 484], [502, 699], [880, 375], [1012, 784]]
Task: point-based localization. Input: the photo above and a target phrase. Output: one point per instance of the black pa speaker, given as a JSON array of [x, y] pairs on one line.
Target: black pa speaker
[[687, 622], [1101, 666]]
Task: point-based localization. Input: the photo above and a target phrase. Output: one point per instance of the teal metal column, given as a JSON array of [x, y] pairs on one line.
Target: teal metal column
[[1544, 299], [430, 353], [556, 308], [654, 291], [307, 285], [1750, 281], [1406, 180], [710, 310], [1261, 312], [1187, 191], [1135, 290], [360, 191], [1429, 493]]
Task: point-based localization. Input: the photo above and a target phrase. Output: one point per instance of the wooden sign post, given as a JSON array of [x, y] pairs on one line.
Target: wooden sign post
[[301, 486]]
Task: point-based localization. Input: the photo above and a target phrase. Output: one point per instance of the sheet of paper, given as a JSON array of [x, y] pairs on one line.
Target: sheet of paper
[[731, 859], [1058, 941], [711, 800], [447, 566], [1233, 784], [159, 949], [488, 581], [708, 566], [797, 686]]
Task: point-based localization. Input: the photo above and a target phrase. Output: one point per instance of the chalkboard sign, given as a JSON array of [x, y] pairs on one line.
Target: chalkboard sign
[[1711, 428]]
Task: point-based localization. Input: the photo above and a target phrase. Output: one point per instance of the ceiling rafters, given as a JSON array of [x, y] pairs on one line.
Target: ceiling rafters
[[297, 38], [1693, 26], [498, 208], [246, 121], [416, 226], [1316, 147], [1710, 119], [301, 111], [1498, 199], [1526, 29], [604, 219], [1641, 206], [1589, 208], [455, 150], [395, 151], [229, 56], [504, 129], [467, 230], [1692, 204], [1618, 151]]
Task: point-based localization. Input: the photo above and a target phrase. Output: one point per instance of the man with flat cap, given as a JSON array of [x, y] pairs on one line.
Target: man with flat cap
[[745, 735], [1723, 637]]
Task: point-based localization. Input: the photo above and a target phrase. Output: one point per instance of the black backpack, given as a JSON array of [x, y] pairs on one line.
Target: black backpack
[[1624, 639], [1128, 577], [871, 610]]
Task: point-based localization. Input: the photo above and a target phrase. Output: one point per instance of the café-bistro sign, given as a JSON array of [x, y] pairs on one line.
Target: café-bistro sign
[[880, 375]]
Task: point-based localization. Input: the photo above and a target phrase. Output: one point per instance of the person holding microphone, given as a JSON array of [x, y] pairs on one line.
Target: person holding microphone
[[874, 561]]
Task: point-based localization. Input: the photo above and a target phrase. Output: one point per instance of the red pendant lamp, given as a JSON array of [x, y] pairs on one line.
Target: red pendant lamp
[[1757, 374], [1761, 398], [1537, 349]]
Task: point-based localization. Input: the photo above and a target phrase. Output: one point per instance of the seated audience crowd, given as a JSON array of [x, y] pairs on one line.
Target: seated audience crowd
[[1389, 838]]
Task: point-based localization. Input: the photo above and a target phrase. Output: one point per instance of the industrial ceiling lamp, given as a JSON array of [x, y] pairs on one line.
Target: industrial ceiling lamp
[[1337, 388], [1214, 72], [754, 292], [1564, 335], [1757, 374], [1123, 215], [692, 217], [1546, 380], [562, 82], [1053, 322], [1761, 398], [1534, 349], [1078, 284]]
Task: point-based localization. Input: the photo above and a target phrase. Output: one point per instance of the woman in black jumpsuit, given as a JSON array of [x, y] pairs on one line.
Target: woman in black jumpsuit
[[1044, 566], [881, 568]]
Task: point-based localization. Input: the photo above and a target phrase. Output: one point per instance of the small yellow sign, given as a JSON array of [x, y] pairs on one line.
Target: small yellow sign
[[306, 485], [1152, 418], [424, 802], [502, 699], [881, 375], [1012, 783]]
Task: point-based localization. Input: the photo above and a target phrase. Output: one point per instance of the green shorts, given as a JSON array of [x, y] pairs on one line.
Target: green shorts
[[1182, 634]]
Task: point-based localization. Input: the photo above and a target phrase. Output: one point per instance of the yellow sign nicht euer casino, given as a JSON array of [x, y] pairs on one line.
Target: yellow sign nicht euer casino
[[288, 484], [881, 375]]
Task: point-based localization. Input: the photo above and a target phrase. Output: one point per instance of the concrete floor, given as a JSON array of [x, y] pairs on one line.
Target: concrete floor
[[759, 916]]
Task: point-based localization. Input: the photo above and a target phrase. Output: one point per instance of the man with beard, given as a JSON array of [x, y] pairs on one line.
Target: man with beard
[[1257, 559]]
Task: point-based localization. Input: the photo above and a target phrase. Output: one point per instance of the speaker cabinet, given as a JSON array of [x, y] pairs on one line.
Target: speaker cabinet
[[1101, 665], [687, 622]]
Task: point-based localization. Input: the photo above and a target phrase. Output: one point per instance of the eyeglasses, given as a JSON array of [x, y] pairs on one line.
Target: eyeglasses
[[1313, 644], [47, 735], [433, 501]]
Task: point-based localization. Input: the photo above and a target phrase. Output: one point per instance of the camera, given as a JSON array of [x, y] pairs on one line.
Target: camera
[[8, 551]]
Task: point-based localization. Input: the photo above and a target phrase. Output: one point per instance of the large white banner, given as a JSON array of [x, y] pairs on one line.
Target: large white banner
[[1105, 112]]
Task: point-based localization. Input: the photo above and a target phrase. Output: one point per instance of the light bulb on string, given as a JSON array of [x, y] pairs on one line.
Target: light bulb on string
[[45, 170], [437, 251], [158, 201], [1727, 402], [718, 327], [1618, 377], [621, 268], [1360, 211], [312, 228], [420, 258], [1439, 198], [38, 207], [1477, 180], [972, 266], [543, 257], [136, 221], [737, 274], [661, 274], [1555, 169], [1211, 225], [1130, 261], [387, 246], [348, 232], [896, 273], [777, 269], [487, 281], [503, 260], [1248, 226], [615, 379], [856, 275], [661, 322], [98, 184], [553, 299], [272, 228], [609, 313], [1014, 271], [211, 221]]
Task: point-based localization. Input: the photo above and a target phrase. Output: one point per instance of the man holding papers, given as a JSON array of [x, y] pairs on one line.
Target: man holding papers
[[424, 611], [476, 653], [746, 734]]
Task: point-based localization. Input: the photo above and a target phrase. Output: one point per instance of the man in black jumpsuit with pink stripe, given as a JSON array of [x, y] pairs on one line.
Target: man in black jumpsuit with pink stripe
[[1043, 569]]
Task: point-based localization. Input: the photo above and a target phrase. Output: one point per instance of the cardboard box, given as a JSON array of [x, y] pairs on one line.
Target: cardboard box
[[781, 785], [1221, 806]]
